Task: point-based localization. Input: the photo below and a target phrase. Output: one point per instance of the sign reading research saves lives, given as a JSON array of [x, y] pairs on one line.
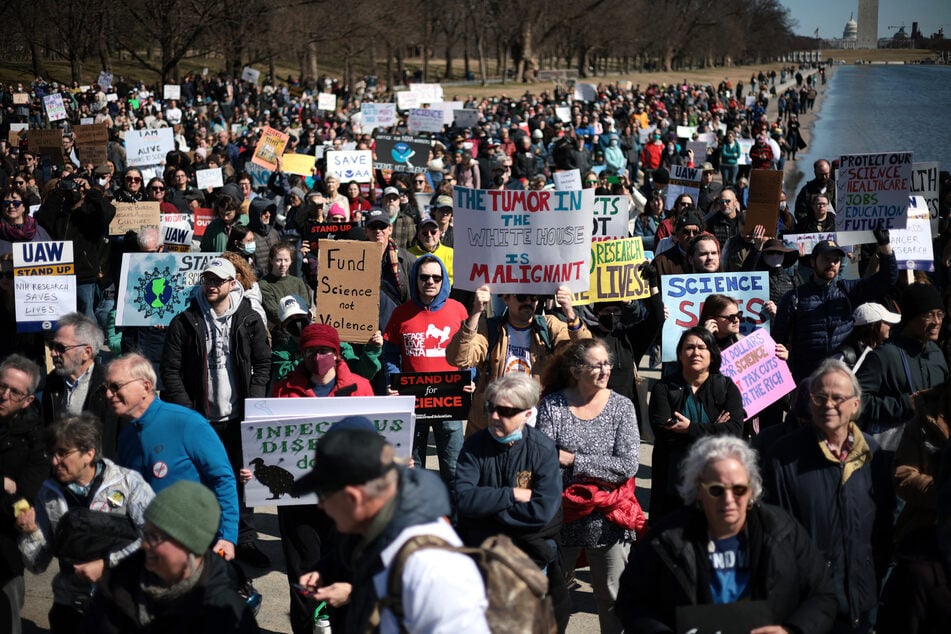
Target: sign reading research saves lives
[[522, 241]]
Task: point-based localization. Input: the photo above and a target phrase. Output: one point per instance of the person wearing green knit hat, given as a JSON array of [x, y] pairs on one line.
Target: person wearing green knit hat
[[175, 583]]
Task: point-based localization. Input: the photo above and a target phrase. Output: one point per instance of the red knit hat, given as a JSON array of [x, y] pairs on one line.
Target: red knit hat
[[317, 335]]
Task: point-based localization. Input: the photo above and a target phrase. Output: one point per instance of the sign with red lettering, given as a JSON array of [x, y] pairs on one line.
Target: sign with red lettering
[[439, 395], [762, 378]]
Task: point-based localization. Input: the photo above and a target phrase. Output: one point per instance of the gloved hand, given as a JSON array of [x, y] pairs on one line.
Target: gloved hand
[[881, 234], [649, 274]]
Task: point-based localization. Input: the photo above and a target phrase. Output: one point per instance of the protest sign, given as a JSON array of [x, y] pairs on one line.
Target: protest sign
[[209, 178], [683, 180], [439, 395], [279, 437], [270, 146], [171, 91], [401, 153], [148, 147], [585, 92], [806, 242], [745, 146], [522, 241], [699, 149], [135, 216], [378, 115], [351, 165], [686, 131], [407, 100], [348, 288], [91, 134], [55, 108], [104, 80], [424, 120], [465, 118], [567, 180], [913, 246], [428, 93], [178, 230], [872, 188], [684, 296], [302, 164], [44, 284], [762, 208], [35, 139], [924, 183], [707, 138], [154, 287], [21, 98], [314, 231], [250, 74], [327, 101], [610, 218], [563, 113], [202, 217], [446, 108], [615, 274], [752, 364]]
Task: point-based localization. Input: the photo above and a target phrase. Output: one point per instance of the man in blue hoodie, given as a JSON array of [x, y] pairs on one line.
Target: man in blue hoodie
[[415, 340]]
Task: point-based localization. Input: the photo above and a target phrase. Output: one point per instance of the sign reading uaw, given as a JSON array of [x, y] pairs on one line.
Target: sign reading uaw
[[522, 241]]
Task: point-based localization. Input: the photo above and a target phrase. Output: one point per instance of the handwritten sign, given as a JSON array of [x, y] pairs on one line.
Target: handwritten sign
[[279, 435], [683, 180], [351, 165], [465, 118], [752, 364], [134, 217], [148, 147], [55, 108], [43, 258], [924, 183], [913, 246], [401, 153], [439, 395], [154, 287], [425, 120], [872, 188], [270, 146], [408, 100], [522, 241], [250, 75], [614, 272], [209, 178], [428, 93], [91, 134], [21, 98], [172, 92], [301, 164], [348, 288], [684, 296], [766, 186], [44, 285], [567, 180], [563, 113], [35, 139], [378, 115], [611, 218], [585, 92]]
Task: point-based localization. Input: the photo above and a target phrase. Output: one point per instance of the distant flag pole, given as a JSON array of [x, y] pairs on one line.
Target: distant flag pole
[[817, 31]]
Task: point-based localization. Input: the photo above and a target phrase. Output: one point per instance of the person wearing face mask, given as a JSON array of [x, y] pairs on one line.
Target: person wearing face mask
[[241, 241]]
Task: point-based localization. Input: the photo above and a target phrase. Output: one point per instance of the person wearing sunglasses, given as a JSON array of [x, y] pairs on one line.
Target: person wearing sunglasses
[[16, 224], [132, 188], [158, 192], [429, 240], [87, 515], [835, 480], [726, 546]]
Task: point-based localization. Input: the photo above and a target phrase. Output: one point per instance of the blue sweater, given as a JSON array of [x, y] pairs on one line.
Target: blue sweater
[[171, 443]]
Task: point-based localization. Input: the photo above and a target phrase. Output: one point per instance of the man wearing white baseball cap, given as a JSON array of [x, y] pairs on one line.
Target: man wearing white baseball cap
[[873, 324]]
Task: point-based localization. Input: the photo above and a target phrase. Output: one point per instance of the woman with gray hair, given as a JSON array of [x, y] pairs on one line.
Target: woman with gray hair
[[725, 547]]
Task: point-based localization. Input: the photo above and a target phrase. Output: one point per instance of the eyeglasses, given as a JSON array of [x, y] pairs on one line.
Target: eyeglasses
[[726, 201], [213, 282], [821, 400], [430, 231], [61, 454], [420, 182], [153, 538], [526, 298], [604, 366], [19, 183], [157, 189], [425, 278], [59, 348], [16, 204], [735, 317], [934, 315], [15, 394], [717, 489], [502, 410], [133, 179], [115, 387], [591, 182]]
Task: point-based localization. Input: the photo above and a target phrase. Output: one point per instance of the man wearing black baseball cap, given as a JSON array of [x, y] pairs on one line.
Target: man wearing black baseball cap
[[379, 505]]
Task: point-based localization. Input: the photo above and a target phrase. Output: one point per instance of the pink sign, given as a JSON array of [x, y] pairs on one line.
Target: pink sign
[[752, 364]]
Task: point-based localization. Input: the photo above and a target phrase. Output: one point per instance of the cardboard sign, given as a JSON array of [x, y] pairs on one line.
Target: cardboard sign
[[43, 258], [872, 188], [279, 435], [522, 241], [762, 208], [762, 378], [209, 178], [35, 139], [92, 154], [178, 230], [171, 92], [615, 273], [439, 395], [378, 115], [134, 217], [425, 120], [148, 147], [21, 98], [684, 296], [567, 180], [270, 146], [91, 134], [913, 245], [327, 101], [55, 108], [301, 164], [154, 287], [683, 180], [348, 288], [924, 183], [202, 218], [351, 165], [402, 153], [250, 74], [465, 118]]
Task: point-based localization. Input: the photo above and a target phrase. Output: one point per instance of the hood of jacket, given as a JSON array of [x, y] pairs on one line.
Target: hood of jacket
[[258, 206], [443, 295]]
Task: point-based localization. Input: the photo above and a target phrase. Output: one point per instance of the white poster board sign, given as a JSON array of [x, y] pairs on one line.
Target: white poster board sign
[[351, 165], [148, 147]]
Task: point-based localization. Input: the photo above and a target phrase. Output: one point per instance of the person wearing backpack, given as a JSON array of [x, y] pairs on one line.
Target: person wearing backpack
[[379, 505], [517, 341]]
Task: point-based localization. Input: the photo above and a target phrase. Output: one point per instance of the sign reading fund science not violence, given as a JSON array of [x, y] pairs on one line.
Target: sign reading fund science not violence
[[522, 241]]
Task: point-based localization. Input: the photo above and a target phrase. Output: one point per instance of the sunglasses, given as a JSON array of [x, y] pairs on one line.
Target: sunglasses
[[159, 189], [59, 348], [717, 489], [115, 387], [16, 204], [19, 183], [501, 410], [526, 298], [737, 316], [133, 179], [425, 278]]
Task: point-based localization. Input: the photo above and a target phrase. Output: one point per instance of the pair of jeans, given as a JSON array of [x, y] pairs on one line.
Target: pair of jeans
[[449, 438]]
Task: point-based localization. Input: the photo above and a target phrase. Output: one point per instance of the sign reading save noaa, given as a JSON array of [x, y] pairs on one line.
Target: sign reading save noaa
[[401, 153], [351, 165], [154, 287]]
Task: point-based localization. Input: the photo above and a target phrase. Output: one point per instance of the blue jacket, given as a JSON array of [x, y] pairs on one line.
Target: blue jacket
[[171, 443], [487, 473], [814, 319]]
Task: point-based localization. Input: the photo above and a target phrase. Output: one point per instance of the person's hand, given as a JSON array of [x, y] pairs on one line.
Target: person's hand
[[678, 423], [224, 548], [278, 162], [649, 274], [770, 629], [469, 389], [724, 417], [9, 486], [304, 248], [781, 352], [244, 475], [376, 340], [770, 308], [758, 237], [391, 392], [881, 234], [91, 571], [563, 297], [310, 580], [26, 521], [565, 458], [711, 326], [336, 594], [481, 299], [522, 495]]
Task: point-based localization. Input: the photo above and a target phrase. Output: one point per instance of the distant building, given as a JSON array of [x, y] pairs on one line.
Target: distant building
[[850, 33], [867, 24]]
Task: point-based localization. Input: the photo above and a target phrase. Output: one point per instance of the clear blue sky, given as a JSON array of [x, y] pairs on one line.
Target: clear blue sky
[[831, 15]]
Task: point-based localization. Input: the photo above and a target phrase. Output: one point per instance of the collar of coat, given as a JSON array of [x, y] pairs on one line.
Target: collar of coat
[[858, 457]]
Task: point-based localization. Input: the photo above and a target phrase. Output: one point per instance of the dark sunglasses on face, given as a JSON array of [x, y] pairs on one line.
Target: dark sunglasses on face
[[16, 204], [157, 189], [527, 298], [425, 278], [717, 489], [133, 179], [59, 348], [737, 316], [504, 412]]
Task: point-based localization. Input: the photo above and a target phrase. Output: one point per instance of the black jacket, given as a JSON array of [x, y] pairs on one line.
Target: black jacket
[[87, 226], [671, 568], [185, 358], [23, 459], [95, 403]]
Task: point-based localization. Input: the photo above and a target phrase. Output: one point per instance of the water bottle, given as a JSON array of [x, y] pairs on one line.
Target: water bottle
[[322, 625]]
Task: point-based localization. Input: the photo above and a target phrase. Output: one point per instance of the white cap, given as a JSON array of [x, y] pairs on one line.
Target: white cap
[[871, 312], [221, 268], [290, 306]]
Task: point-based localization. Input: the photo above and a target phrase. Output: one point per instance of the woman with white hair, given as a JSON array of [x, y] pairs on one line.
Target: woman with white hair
[[725, 546]]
